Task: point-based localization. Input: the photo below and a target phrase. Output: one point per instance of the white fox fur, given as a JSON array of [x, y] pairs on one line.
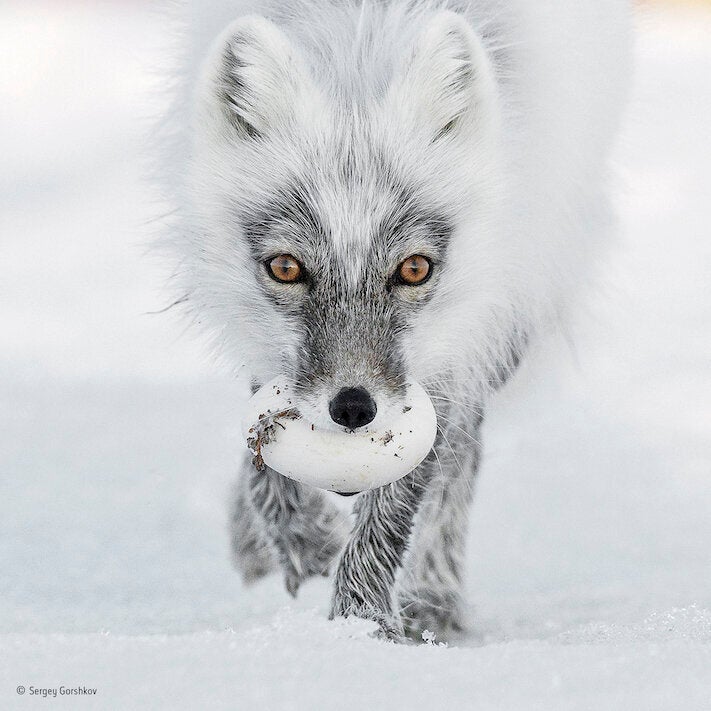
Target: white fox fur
[[490, 119]]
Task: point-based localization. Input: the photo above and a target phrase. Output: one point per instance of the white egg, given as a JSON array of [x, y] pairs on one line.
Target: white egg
[[337, 460]]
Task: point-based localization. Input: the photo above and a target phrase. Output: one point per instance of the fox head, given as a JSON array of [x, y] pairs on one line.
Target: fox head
[[339, 221]]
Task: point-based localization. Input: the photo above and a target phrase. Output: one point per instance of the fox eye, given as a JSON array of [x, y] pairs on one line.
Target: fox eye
[[285, 269], [415, 270]]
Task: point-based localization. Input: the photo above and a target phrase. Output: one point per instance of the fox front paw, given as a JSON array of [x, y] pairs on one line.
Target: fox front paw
[[389, 626], [302, 564], [438, 614], [348, 602], [311, 552]]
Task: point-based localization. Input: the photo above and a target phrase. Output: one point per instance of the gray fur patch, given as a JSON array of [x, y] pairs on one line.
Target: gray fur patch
[[348, 324]]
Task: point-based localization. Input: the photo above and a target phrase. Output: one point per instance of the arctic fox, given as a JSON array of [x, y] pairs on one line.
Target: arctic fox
[[372, 191]]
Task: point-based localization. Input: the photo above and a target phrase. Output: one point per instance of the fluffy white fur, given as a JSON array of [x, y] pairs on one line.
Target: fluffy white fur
[[498, 115], [525, 174]]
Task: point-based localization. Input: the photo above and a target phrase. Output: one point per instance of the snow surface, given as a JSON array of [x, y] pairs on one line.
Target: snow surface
[[590, 569]]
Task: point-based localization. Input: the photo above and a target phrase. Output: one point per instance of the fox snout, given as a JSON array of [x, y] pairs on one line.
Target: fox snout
[[352, 408]]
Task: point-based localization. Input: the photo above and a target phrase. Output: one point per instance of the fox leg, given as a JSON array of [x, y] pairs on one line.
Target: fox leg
[[365, 578], [430, 587], [385, 553], [279, 520], [253, 553]]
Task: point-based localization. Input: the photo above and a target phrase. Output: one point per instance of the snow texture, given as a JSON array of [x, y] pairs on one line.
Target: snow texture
[[590, 569]]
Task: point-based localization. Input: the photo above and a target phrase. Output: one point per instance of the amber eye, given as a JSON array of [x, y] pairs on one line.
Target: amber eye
[[414, 270], [285, 268]]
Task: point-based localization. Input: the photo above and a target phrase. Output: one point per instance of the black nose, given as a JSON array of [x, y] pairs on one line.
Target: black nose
[[352, 407]]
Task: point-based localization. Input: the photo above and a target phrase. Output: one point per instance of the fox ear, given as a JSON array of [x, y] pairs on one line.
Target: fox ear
[[447, 82], [255, 82]]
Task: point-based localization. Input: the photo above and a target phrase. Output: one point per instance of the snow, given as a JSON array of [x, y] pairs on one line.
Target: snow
[[590, 571]]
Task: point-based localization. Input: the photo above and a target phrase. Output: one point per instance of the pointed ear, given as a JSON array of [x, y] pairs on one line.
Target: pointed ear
[[255, 81], [447, 82]]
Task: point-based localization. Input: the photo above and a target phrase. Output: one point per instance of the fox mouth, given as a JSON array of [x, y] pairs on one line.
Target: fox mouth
[[356, 406], [343, 460]]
